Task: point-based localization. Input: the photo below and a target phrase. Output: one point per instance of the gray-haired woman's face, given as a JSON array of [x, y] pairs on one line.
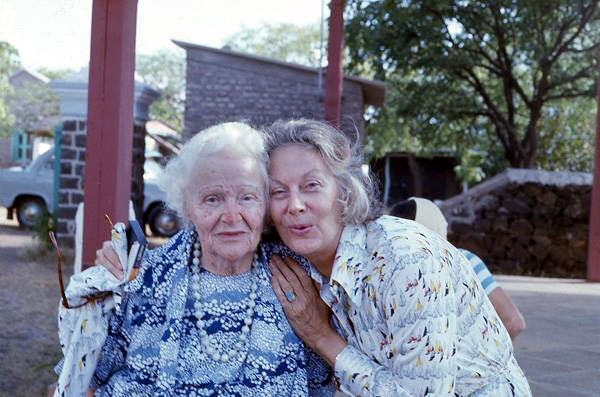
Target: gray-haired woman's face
[[226, 203], [304, 205]]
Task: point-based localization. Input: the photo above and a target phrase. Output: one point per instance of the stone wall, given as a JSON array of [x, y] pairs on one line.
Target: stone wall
[[222, 86], [72, 172], [525, 222]]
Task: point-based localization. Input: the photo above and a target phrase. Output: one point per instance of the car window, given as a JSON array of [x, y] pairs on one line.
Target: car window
[[49, 163]]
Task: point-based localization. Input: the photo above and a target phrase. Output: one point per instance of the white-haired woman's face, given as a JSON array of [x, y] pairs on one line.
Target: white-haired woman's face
[[226, 203]]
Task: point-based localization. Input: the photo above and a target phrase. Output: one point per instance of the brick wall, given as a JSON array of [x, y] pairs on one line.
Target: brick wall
[[222, 87], [72, 171]]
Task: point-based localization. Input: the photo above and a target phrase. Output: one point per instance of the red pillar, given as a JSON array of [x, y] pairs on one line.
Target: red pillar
[[593, 265], [107, 183], [335, 52]]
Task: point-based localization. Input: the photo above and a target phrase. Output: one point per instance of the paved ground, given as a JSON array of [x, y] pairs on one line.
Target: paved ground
[[559, 351]]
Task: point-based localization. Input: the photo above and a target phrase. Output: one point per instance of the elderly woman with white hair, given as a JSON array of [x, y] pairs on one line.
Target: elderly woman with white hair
[[410, 317], [201, 317]]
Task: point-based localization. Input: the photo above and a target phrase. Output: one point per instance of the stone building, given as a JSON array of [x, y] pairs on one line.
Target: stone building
[[224, 85]]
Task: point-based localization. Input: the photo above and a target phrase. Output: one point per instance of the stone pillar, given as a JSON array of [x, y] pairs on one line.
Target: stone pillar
[[72, 163], [73, 110]]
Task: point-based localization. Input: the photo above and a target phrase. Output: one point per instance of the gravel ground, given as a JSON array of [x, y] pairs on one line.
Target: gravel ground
[[29, 298], [28, 307]]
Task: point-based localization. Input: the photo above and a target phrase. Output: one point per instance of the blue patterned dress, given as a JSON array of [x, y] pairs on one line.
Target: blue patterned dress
[[153, 344]]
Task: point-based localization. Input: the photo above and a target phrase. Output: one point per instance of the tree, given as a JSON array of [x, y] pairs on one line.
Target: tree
[[164, 70], [286, 42], [567, 133], [32, 105], [477, 71], [54, 74], [9, 63]]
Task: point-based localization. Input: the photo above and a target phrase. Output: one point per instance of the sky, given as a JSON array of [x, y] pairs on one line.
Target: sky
[[55, 34]]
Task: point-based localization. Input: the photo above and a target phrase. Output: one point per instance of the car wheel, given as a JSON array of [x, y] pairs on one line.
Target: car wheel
[[162, 221], [29, 210]]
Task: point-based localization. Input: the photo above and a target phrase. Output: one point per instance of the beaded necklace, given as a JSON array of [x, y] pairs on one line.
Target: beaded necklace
[[205, 339]]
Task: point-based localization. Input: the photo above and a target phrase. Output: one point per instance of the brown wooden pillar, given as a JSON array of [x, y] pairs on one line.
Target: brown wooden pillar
[[107, 182], [335, 53], [593, 265]]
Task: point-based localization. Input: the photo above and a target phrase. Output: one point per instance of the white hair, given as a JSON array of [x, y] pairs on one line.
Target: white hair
[[237, 139]]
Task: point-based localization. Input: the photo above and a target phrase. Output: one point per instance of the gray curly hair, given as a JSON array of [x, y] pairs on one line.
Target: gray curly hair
[[231, 138], [357, 191]]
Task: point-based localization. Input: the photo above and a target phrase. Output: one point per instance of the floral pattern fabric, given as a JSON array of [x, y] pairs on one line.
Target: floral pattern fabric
[[153, 344], [82, 330], [415, 316]]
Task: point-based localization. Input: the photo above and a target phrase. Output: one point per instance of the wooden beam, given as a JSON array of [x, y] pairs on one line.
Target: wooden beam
[[593, 259], [335, 53], [107, 183]]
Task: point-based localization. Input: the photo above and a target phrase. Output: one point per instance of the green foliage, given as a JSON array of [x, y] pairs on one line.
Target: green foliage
[[31, 104], [285, 42], [27, 105], [44, 225], [9, 59], [54, 74], [478, 77], [9, 63], [567, 134], [164, 70]]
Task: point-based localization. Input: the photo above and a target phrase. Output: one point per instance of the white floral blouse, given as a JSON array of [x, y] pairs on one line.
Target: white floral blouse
[[415, 317]]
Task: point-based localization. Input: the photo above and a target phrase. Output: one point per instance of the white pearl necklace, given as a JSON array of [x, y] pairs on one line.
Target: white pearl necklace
[[205, 340]]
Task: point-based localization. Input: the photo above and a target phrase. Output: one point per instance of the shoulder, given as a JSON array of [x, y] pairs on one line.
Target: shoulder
[[476, 262], [484, 275], [269, 247], [176, 246], [405, 236], [407, 250], [161, 261]]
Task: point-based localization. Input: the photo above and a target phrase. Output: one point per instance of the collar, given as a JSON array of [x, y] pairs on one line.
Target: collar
[[349, 263]]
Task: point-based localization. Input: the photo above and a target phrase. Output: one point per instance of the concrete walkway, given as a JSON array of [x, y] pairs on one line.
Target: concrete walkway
[[560, 349]]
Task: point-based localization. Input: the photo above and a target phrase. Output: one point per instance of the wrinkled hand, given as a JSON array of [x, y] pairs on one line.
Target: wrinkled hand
[[107, 257], [307, 313]]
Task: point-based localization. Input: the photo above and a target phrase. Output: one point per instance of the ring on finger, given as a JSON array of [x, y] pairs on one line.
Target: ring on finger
[[290, 296]]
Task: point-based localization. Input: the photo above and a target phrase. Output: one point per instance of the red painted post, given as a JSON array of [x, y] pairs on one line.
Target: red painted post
[[593, 259], [335, 52], [107, 183]]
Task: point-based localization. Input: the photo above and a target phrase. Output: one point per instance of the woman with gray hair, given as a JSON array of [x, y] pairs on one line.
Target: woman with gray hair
[[410, 317], [201, 317]]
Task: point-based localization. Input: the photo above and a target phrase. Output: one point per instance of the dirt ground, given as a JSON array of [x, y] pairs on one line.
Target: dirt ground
[[28, 307], [29, 298]]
